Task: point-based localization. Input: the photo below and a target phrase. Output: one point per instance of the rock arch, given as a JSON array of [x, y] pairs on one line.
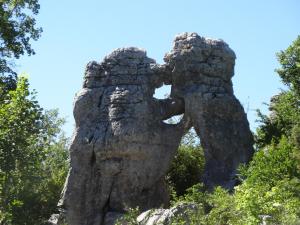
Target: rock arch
[[121, 149]]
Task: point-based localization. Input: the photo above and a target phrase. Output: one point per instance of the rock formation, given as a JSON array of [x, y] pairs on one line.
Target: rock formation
[[122, 149], [201, 70]]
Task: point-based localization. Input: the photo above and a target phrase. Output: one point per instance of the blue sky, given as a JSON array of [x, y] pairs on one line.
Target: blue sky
[[76, 32]]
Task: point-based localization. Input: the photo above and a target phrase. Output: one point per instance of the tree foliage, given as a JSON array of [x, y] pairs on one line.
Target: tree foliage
[[271, 185], [186, 168], [17, 29], [284, 107], [289, 72], [270, 192], [33, 158]]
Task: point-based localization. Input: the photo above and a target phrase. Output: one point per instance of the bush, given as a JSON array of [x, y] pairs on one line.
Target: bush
[[33, 154], [271, 186], [187, 168]]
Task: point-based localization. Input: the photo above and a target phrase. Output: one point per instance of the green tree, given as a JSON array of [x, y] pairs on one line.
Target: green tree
[[17, 29], [284, 107], [272, 180], [33, 158], [187, 167], [289, 72], [271, 186], [55, 165], [270, 191]]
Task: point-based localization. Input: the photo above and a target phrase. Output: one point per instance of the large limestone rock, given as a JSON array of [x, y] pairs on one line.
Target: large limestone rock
[[200, 71], [122, 149]]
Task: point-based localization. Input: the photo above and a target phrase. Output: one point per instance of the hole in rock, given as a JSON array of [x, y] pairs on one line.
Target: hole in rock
[[191, 138], [163, 92], [174, 119], [188, 165]]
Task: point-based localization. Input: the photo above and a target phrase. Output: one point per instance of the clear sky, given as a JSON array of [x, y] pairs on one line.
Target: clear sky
[[76, 32]]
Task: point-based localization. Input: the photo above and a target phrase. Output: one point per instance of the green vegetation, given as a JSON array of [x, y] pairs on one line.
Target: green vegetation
[[187, 167], [33, 158], [129, 218], [270, 191], [284, 119], [18, 28], [33, 148]]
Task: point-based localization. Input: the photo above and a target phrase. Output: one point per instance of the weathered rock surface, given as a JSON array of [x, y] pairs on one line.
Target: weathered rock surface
[[200, 73], [122, 149], [180, 213]]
